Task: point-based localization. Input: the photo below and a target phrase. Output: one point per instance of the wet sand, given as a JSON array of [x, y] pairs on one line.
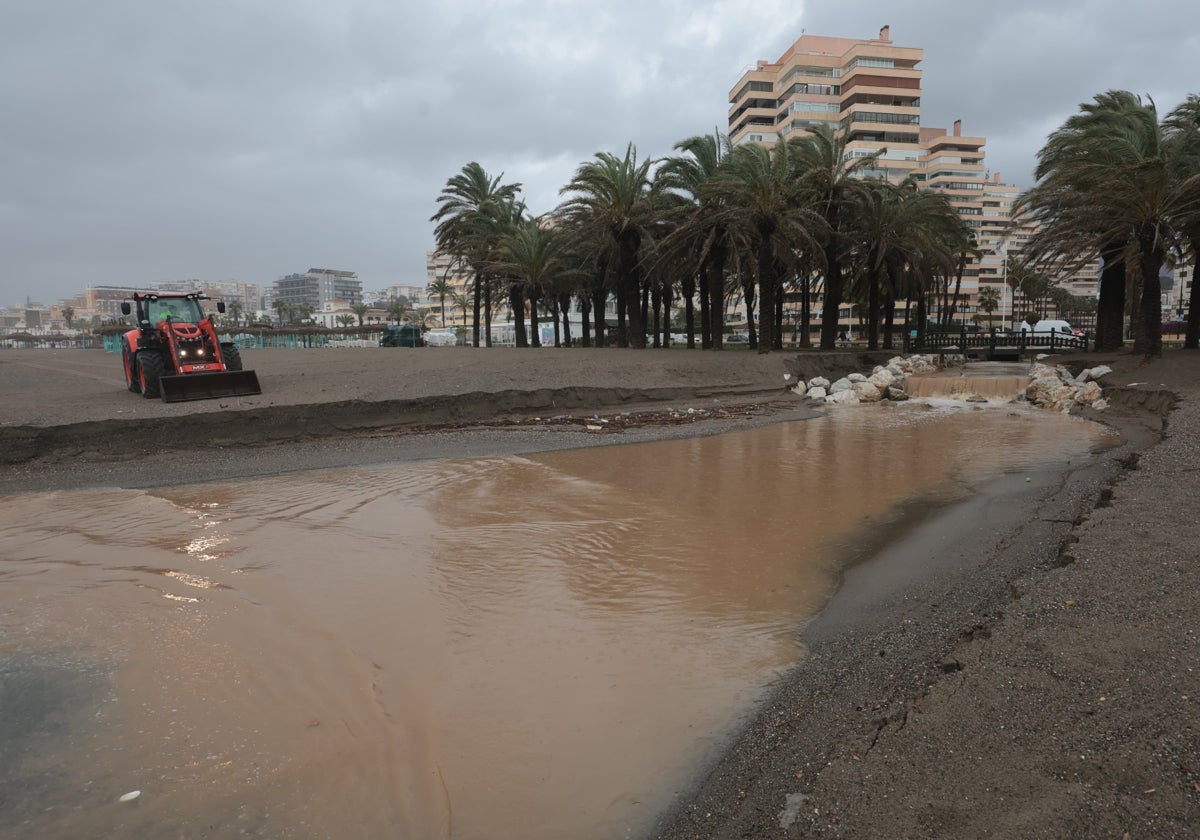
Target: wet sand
[[1023, 670]]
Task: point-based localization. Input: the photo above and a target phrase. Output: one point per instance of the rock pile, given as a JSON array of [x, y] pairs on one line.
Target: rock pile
[[1050, 386], [1054, 387], [886, 382]]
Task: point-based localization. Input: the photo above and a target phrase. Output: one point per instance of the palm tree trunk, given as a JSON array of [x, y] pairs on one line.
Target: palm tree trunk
[[585, 321], [629, 305], [656, 304], [516, 300], [689, 310], [889, 319], [714, 282], [478, 289], [1149, 339], [833, 291], [666, 304], [873, 284], [535, 334], [921, 319], [953, 308], [564, 307], [487, 314], [622, 320], [806, 289], [1110, 309], [600, 308], [748, 297]]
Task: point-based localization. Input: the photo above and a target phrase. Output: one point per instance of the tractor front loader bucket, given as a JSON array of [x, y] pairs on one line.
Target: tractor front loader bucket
[[207, 386]]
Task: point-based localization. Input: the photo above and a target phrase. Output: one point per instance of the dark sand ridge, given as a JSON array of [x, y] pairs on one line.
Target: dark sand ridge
[[1027, 679]]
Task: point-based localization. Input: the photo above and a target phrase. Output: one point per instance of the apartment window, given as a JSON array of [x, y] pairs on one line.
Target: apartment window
[[952, 173], [816, 107], [887, 119], [873, 62], [823, 90], [755, 86], [805, 125], [820, 72]]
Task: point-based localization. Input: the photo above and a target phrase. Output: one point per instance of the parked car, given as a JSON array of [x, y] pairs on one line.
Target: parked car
[[402, 335]]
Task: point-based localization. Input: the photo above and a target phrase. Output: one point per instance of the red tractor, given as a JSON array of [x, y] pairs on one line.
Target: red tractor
[[174, 352]]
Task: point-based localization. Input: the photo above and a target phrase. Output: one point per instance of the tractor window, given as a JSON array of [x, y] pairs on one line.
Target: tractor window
[[180, 309]]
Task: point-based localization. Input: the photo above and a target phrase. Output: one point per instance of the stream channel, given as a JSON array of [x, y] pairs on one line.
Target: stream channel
[[539, 647]]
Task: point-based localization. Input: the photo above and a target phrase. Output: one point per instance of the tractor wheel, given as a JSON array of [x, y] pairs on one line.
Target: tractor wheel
[[150, 370], [129, 362], [233, 359]]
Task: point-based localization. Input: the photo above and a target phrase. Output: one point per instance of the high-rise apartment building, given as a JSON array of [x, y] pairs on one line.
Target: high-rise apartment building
[[318, 287], [868, 89]]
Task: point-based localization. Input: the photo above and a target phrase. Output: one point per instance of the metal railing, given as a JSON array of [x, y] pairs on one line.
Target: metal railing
[[1052, 341]]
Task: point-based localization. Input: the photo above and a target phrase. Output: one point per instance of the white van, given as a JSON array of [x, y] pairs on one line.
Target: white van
[[1045, 327], [442, 337]]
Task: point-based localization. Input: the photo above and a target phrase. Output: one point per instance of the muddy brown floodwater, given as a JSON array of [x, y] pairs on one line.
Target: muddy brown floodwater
[[535, 647]]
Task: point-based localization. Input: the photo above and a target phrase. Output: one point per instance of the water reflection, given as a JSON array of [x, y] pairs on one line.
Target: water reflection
[[536, 647]]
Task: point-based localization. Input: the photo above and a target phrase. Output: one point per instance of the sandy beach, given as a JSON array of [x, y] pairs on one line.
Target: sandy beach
[[1029, 673]]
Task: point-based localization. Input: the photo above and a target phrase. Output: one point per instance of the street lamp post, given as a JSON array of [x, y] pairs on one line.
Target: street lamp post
[[1004, 288], [1002, 250]]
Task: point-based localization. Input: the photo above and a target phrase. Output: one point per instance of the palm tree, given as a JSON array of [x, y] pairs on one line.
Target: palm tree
[[467, 205], [618, 197], [443, 288], [964, 248], [763, 203], [68, 313], [898, 225], [281, 308], [397, 308], [537, 256], [595, 254], [235, 312], [461, 299], [989, 302], [688, 174], [833, 183], [1107, 183], [360, 310], [346, 320], [1032, 284]]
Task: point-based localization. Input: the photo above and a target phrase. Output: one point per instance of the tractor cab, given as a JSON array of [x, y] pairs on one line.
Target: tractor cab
[[152, 308], [177, 309]]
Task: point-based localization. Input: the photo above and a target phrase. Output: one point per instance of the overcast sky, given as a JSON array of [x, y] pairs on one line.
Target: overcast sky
[[152, 140]]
